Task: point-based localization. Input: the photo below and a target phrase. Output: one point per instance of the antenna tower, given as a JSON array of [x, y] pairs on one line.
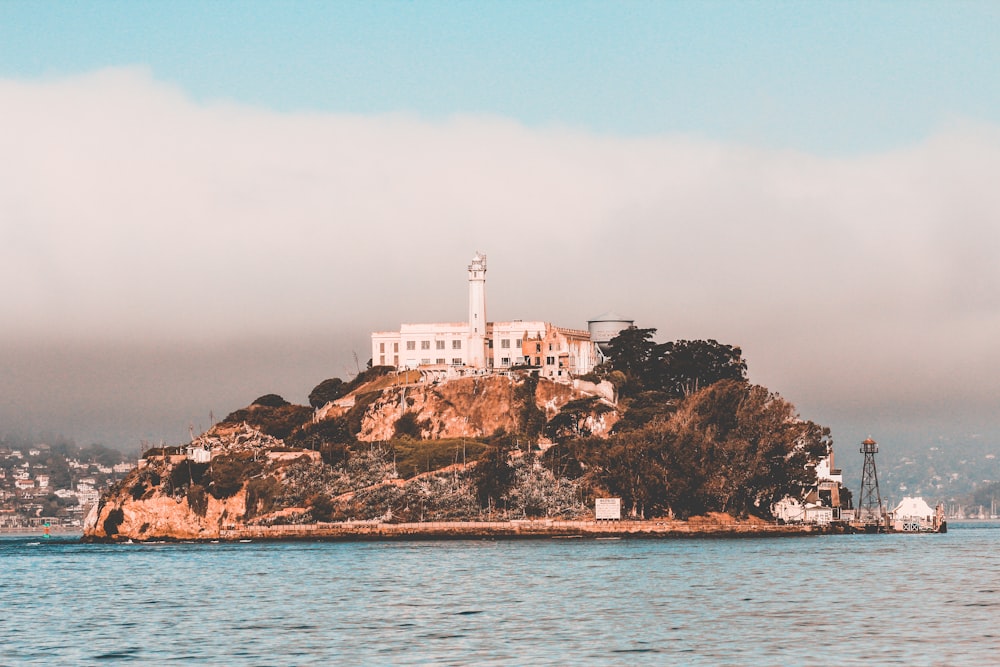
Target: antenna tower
[[870, 501]]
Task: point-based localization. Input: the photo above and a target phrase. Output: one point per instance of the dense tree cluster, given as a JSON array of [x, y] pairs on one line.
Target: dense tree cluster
[[672, 369], [731, 447]]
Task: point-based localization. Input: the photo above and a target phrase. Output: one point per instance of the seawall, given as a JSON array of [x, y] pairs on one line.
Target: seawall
[[359, 530]]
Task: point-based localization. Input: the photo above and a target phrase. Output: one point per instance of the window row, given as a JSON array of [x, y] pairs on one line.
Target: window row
[[438, 344]]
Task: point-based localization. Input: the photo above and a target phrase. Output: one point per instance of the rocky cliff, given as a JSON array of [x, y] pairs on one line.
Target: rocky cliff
[[279, 464]]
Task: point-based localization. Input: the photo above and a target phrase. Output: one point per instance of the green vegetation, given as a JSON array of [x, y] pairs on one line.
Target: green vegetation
[[197, 499], [731, 447], [531, 418], [326, 391], [272, 418], [413, 457], [228, 472]]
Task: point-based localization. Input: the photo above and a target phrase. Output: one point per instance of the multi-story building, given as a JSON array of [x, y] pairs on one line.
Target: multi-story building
[[480, 346]]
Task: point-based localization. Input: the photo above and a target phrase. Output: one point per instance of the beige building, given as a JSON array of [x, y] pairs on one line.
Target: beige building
[[478, 345]]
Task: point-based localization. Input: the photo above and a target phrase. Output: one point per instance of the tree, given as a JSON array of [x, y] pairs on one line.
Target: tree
[[493, 476], [328, 390], [685, 366], [730, 447], [633, 353], [571, 420], [742, 448]]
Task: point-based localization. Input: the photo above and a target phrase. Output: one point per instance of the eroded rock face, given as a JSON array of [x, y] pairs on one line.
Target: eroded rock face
[[226, 477], [471, 407], [160, 516]]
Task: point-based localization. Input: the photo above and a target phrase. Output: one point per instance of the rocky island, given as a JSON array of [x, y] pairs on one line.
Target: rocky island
[[398, 454], [489, 428]]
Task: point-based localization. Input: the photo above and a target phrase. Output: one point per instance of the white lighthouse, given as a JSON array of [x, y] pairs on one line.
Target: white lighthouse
[[477, 312], [453, 349]]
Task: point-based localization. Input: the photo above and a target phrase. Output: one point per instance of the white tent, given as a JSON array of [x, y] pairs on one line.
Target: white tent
[[913, 508]]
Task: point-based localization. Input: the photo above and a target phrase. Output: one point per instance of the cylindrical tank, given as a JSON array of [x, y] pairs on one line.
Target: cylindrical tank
[[605, 327]]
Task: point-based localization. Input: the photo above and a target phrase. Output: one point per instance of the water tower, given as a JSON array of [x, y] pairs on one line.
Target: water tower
[[605, 327]]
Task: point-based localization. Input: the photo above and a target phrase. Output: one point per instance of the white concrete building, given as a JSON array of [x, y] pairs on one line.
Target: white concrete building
[[821, 504], [478, 345]]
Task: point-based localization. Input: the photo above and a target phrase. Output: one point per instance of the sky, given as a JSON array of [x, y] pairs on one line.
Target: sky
[[201, 203]]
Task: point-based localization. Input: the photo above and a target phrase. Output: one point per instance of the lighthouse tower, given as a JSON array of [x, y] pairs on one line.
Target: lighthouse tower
[[477, 312]]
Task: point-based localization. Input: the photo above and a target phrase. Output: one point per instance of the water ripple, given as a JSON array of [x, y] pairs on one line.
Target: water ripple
[[890, 599]]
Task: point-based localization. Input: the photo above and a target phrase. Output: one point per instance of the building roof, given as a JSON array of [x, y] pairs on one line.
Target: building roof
[[912, 507], [610, 316]]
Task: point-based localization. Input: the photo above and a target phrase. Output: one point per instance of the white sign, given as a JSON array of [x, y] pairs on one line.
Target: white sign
[[608, 509]]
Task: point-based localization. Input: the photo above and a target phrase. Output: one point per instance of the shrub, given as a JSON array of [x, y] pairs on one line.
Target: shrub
[[275, 421], [261, 494], [316, 436], [321, 506], [197, 499], [227, 474], [357, 414], [326, 391], [187, 472], [270, 401], [409, 426]]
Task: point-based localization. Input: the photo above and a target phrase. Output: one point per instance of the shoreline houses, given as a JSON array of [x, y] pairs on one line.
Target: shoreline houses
[[478, 346]]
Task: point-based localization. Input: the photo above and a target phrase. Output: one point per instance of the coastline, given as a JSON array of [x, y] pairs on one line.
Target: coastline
[[522, 529]]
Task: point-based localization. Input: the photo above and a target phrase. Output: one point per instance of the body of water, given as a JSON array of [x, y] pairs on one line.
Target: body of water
[[833, 600]]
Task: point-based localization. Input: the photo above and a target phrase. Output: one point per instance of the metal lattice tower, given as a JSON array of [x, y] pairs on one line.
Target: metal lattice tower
[[870, 501]]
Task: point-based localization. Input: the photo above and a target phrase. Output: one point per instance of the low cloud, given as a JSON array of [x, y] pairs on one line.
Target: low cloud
[[131, 215]]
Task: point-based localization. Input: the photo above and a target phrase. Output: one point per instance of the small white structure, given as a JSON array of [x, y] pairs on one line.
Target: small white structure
[[913, 515], [479, 346], [199, 453]]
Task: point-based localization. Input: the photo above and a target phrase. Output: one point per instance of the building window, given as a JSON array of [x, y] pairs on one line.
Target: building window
[[456, 344], [439, 362], [381, 347], [538, 347], [549, 361], [439, 344], [395, 347], [411, 345], [505, 361], [425, 345], [456, 361], [381, 360], [425, 362], [550, 347], [395, 360], [505, 344]]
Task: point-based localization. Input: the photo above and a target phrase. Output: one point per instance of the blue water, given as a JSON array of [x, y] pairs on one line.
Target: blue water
[[836, 600]]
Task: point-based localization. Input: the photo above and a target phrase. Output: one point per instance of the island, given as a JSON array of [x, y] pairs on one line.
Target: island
[[493, 428]]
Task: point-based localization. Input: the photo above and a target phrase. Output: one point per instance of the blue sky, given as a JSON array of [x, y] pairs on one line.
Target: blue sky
[[204, 202], [832, 78]]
